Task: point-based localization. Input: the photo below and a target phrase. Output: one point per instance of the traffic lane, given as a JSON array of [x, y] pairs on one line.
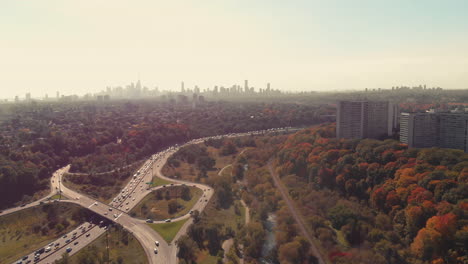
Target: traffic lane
[[82, 242], [147, 237], [61, 241]]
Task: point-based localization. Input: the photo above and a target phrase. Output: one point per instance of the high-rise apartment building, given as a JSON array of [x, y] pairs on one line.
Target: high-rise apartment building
[[425, 130], [364, 119]]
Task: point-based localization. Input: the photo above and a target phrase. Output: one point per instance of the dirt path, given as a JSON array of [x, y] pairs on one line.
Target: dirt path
[[221, 171], [295, 214], [227, 244], [247, 212]]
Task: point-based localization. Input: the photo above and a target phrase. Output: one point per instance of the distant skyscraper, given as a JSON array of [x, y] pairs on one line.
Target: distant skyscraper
[[268, 86], [182, 88], [364, 119], [246, 85], [58, 95], [28, 96]]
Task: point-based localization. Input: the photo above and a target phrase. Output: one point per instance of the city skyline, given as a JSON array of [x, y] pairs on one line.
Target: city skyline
[[79, 48]]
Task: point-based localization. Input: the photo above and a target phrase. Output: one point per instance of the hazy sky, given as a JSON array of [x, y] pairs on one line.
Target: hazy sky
[[78, 46]]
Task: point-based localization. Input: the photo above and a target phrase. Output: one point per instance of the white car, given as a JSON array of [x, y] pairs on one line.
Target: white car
[[157, 243]]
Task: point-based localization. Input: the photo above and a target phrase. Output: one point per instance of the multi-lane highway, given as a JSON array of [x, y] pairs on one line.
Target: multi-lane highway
[[117, 210]]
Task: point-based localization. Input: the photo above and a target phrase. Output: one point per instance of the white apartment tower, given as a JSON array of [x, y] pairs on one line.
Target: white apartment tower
[[365, 119], [425, 130]]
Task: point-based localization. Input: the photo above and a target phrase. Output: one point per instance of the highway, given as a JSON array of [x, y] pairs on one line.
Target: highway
[[130, 196]]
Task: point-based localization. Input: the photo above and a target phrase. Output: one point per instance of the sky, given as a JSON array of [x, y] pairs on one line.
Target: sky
[[83, 46]]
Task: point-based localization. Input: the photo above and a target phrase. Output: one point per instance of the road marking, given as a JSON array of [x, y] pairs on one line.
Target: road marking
[[91, 205], [118, 217]]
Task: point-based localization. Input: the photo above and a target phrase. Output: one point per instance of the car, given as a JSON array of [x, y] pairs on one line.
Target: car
[[206, 200], [47, 249], [69, 249], [76, 243], [51, 244], [155, 251], [110, 209], [105, 213], [87, 235], [191, 212], [75, 233], [157, 243], [167, 220], [57, 244], [95, 203], [64, 236], [127, 208], [149, 220], [25, 257]]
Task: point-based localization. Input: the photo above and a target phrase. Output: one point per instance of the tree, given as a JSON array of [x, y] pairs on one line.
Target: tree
[[340, 214], [228, 148], [172, 206], [187, 249], [186, 193]]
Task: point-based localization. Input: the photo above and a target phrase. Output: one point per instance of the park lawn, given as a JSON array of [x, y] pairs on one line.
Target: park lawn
[[57, 196], [188, 172], [119, 252], [17, 236], [159, 181], [226, 170], [158, 209], [185, 171], [168, 230], [204, 257], [226, 217]]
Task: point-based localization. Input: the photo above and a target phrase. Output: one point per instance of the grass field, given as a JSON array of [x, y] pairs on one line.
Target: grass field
[[57, 196], [204, 257], [27, 230], [151, 207], [188, 172], [168, 230], [119, 251], [158, 181], [227, 217]]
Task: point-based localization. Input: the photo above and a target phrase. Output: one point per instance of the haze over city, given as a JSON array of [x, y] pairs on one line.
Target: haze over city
[[77, 47]]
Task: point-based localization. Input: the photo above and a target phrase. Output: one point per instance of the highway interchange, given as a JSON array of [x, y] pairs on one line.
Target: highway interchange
[[117, 210]]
